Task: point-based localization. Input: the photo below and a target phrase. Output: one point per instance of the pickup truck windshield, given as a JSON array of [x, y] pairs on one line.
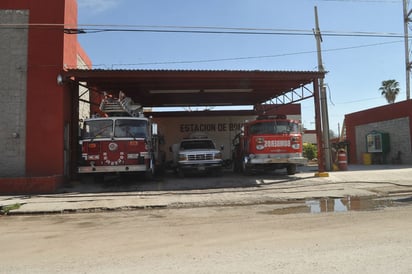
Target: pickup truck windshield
[[197, 144]]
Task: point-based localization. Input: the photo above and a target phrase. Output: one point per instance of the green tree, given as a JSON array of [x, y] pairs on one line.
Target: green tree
[[310, 151], [390, 89]]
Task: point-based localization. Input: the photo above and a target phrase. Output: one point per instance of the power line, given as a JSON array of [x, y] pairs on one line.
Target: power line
[[239, 32], [252, 57], [214, 30], [90, 29]]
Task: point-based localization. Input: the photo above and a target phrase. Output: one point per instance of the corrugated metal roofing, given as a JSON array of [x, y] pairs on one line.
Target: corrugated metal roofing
[[156, 88]]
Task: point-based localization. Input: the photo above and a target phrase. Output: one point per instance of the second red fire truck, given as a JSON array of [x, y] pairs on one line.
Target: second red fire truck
[[268, 143]]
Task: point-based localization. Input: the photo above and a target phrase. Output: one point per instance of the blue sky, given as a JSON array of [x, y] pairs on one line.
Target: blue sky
[[356, 65]]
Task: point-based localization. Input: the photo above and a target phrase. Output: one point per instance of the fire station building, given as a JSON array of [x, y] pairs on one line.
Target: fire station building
[[36, 110], [43, 74], [45, 69]]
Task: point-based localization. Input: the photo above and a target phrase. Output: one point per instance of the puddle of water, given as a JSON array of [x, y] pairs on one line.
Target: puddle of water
[[339, 205], [347, 204]]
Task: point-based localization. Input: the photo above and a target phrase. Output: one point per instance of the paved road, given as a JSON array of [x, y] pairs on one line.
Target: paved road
[[229, 189], [239, 239], [195, 227]]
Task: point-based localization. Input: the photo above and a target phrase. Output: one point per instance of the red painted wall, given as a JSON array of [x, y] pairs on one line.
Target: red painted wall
[[48, 104], [378, 114]]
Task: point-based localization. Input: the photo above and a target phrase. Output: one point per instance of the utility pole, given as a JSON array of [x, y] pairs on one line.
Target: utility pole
[[406, 21], [323, 99]]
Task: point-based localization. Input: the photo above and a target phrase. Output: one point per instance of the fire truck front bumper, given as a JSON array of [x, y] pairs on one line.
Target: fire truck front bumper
[[276, 159], [112, 169]]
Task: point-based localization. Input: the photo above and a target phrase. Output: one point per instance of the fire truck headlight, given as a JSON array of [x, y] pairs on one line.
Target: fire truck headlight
[[252, 156], [260, 147], [93, 157], [260, 140], [133, 156], [295, 146], [113, 146]]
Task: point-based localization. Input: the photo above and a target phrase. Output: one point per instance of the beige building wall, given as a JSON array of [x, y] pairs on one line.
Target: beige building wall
[[222, 129]]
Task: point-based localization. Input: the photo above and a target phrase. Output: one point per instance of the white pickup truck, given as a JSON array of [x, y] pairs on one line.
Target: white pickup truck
[[197, 155]]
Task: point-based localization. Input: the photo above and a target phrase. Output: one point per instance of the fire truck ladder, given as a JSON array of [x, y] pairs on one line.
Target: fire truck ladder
[[125, 105]]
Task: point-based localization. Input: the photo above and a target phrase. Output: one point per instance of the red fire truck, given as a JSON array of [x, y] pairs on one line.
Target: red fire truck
[[124, 141], [268, 143]]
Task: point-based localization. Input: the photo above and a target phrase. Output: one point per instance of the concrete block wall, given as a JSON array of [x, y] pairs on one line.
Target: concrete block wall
[[399, 135], [13, 90]]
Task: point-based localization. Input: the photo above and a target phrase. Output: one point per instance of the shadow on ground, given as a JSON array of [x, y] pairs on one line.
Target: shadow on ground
[[170, 182]]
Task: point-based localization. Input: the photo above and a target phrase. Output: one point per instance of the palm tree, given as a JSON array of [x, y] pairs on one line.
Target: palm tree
[[390, 89]]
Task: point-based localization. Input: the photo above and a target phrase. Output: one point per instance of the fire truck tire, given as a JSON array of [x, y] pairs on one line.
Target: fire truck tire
[[237, 166], [246, 170], [291, 169], [150, 173]]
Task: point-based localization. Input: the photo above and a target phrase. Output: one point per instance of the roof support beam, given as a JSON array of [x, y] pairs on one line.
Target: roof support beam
[[292, 96]]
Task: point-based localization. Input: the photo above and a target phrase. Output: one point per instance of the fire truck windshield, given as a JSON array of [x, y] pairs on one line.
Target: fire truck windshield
[[274, 127], [97, 129], [130, 128]]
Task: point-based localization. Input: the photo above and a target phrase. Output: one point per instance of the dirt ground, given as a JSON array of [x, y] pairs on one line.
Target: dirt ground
[[243, 239]]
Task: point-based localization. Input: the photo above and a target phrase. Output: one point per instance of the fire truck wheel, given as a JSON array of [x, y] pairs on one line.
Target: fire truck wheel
[[246, 170], [150, 173], [236, 166], [291, 169]]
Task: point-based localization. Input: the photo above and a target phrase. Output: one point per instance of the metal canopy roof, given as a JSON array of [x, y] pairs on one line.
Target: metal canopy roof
[[163, 88]]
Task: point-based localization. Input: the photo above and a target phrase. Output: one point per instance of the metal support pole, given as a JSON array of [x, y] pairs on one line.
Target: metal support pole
[[316, 94], [325, 126], [406, 21], [323, 100]]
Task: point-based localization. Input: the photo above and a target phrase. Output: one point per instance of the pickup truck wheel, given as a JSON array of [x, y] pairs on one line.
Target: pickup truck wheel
[[217, 172], [180, 173]]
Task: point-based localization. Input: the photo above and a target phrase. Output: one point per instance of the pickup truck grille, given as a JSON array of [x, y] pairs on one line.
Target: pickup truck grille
[[199, 157]]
